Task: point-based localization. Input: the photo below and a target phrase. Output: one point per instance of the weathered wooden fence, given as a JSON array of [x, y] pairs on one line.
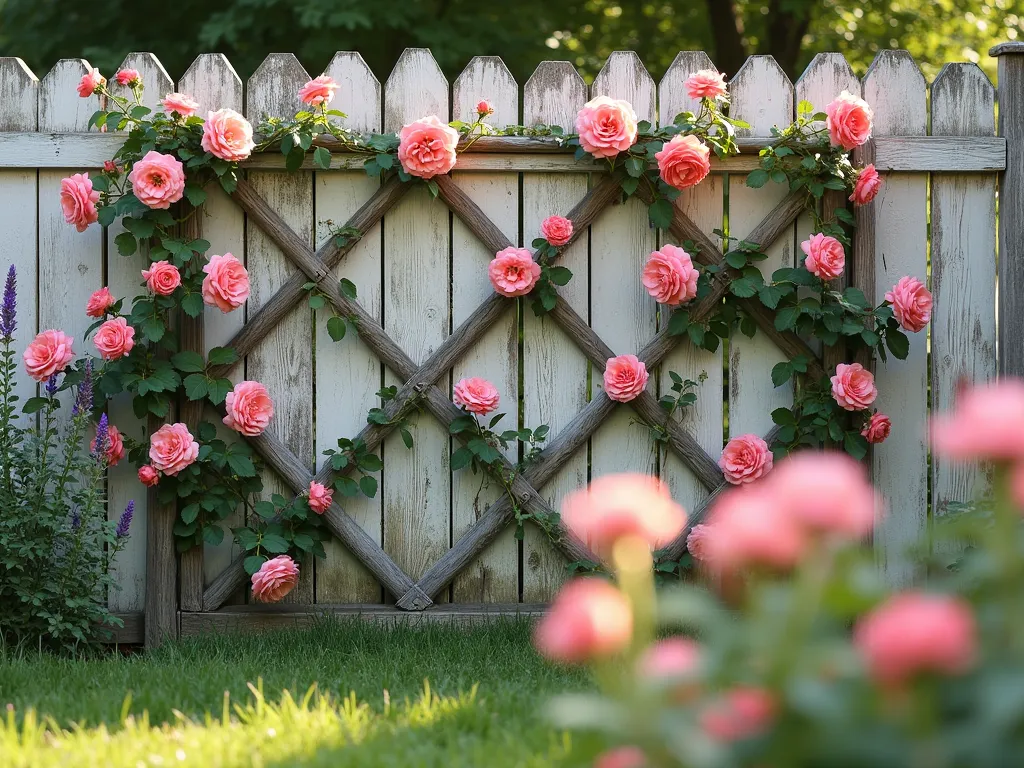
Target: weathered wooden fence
[[429, 316]]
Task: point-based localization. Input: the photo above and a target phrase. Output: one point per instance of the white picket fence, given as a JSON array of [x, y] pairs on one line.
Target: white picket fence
[[421, 273]]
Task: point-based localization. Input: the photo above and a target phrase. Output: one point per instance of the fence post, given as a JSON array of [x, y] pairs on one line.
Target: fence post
[[1010, 318]]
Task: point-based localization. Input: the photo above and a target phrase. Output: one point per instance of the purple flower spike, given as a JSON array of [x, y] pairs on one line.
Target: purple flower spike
[[7, 309], [51, 385], [102, 437], [126, 520], [83, 403], [76, 520]]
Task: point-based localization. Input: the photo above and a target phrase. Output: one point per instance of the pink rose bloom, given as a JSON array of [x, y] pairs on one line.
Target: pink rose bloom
[[740, 713], [706, 84], [114, 339], [606, 126], [162, 278], [848, 121], [184, 105], [877, 428], [621, 757], [484, 108], [319, 90], [91, 82], [913, 632], [172, 449], [426, 147], [669, 276], [748, 528], [745, 459], [49, 353], [589, 619], [249, 408], [148, 475], [99, 303], [78, 201], [625, 377], [825, 256], [513, 272], [868, 185], [619, 505], [110, 166], [275, 579], [853, 387], [226, 285], [911, 303], [319, 497], [825, 492], [669, 658], [227, 135], [987, 424], [697, 541], [115, 446], [557, 230], [684, 161], [128, 77], [158, 180], [476, 395]]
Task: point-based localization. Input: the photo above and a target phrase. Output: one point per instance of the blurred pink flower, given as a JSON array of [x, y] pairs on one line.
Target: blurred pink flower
[[670, 658], [738, 714], [589, 619], [986, 424], [748, 528], [621, 757]]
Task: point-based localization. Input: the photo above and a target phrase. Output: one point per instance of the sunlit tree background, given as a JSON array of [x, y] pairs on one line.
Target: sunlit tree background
[[522, 32]]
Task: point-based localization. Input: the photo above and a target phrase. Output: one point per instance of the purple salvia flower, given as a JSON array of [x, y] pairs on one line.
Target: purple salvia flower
[[126, 520], [76, 520], [83, 403], [51, 385], [102, 437], [7, 309]]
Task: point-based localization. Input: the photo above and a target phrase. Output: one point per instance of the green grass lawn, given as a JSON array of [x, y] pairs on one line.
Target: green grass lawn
[[484, 705]]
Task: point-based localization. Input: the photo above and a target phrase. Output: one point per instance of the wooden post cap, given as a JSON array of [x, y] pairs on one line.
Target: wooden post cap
[[1006, 49]]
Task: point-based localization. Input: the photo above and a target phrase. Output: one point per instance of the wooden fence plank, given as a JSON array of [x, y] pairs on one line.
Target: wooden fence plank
[[620, 243], [554, 369], [896, 91], [494, 576], [417, 288], [704, 205], [762, 95], [963, 258], [348, 374], [283, 362]]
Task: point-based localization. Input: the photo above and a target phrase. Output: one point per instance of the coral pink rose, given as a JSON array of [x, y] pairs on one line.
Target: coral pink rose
[[877, 429], [557, 230], [987, 424], [745, 459], [275, 579], [49, 353], [249, 408], [319, 497], [115, 446], [825, 256], [184, 105], [100, 303], [868, 185], [148, 475], [158, 180], [848, 121], [606, 126], [513, 272], [911, 303], [621, 757], [589, 619], [740, 713], [684, 161], [697, 542], [706, 84], [129, 77], [426, 147], [114, 339], [484, 108], [78, 201], [619, 505], [91, 82], [476, 395], [319, 90], [162, 278], [669, 276], [226, 285], [915, 632], [110, 166], [825, 493], [172, 449], [748, 528], [853, 387], [625, 377], [672, 657], [227, 135]]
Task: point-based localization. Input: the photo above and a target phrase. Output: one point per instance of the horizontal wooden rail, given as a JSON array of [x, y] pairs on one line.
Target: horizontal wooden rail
[[947, 154]]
